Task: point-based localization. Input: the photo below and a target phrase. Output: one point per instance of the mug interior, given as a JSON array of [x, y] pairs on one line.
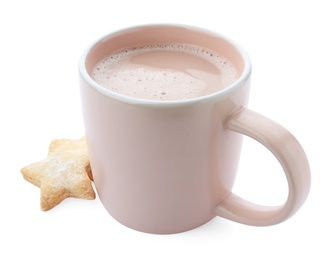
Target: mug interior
[[164, 34]]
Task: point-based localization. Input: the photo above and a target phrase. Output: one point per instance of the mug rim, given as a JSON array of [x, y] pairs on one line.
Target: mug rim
[[167, 103]]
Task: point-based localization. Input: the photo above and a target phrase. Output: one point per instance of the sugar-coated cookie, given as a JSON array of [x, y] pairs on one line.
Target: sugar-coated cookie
[[64, 173]]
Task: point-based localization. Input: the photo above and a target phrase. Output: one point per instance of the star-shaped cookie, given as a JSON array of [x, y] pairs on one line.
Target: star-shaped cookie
[[64, 173]]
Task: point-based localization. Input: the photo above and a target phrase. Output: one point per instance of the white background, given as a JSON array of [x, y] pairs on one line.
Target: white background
[[290, 46]]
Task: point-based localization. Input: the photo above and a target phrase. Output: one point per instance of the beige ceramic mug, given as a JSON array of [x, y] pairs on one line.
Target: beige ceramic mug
[[169, 166]]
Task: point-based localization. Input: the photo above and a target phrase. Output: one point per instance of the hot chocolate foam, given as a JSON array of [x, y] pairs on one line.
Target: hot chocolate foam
[[165, 72]]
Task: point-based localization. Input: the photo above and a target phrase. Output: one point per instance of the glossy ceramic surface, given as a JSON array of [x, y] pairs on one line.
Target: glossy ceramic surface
[[169, 166]]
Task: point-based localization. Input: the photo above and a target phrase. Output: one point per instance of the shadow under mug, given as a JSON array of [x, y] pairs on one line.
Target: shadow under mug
[[169, 166]]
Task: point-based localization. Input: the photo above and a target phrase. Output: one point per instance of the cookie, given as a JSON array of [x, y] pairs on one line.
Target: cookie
[[64, 173]]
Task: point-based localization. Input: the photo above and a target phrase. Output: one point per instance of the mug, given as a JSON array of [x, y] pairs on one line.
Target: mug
[[169, 166]]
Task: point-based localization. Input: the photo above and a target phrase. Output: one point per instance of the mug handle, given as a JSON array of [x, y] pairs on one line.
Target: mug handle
[[293, 160]]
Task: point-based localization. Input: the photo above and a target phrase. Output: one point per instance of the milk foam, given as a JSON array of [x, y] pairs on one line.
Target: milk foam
[[203, 73]]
